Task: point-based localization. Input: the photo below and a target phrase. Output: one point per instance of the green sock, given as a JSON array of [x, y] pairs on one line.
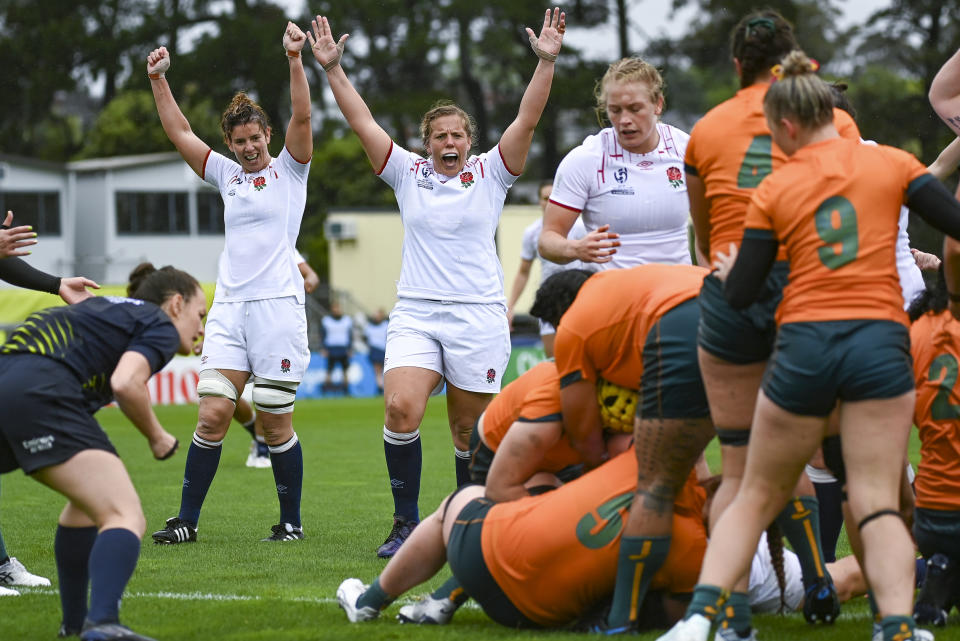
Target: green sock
[[374, 597], [800, 522], [640, 558], [736, 613], [896, 628], [707, 600], [451, 589]]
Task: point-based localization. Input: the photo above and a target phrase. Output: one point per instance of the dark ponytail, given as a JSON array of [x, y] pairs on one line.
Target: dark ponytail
[[759, 41], [932, 299], [153, 285]]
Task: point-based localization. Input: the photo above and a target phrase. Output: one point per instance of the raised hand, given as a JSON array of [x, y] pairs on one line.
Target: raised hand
[[325, 50], [547, 45], [14, 240], [293, 38], [158, 61]]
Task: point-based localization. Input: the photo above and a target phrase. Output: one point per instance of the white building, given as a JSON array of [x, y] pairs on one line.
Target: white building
[[101, 217]]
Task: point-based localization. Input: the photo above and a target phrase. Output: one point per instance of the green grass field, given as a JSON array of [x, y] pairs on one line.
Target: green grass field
[[231, 586]]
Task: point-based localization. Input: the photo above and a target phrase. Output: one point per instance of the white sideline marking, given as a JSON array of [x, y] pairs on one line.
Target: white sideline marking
[[209, 596]]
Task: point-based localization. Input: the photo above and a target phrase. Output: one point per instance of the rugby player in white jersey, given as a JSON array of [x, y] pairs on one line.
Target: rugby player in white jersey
[[450, 322], [257, 323], [528, 253], [626, 182]]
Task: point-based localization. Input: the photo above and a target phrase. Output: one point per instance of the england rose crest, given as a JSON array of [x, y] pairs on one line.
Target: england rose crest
[[466, 179], [491, 375], [285, 365], [674, 176], [259, 183]]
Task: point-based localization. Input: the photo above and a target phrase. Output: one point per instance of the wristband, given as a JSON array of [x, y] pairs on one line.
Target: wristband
[[293, 54], [333, 63], [155, 76]]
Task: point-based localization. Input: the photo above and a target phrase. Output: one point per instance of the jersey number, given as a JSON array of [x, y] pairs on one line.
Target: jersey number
[[836, 221], [595, 534], [757, 163], [943, 409]]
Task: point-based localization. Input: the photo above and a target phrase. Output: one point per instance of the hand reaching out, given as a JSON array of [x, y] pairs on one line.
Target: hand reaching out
[[547, 45], [73, 290], [325, 50], [14, 240], [293, 38], [158, 61]]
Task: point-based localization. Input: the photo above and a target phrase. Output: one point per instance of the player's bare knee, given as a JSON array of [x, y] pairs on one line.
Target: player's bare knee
[[399, 415], [212, 423]]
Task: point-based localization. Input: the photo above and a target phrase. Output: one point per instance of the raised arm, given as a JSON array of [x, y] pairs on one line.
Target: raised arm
[[175, 125], [299, 139], [515, 142], [376, 142], [945, 92]]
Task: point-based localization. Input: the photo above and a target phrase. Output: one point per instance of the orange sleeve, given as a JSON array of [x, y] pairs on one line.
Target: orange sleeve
[[570, 353], [542, 403], [757, 216]]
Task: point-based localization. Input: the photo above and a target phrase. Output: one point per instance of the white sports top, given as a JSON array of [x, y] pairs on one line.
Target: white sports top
[[528, 248], [911, 279], [376, 334], [261, 214], [449, 251], [764, 591], [643, 197], [337, 332]]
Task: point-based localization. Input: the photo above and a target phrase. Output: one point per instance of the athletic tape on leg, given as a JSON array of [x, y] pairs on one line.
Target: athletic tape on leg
[[274, 397]]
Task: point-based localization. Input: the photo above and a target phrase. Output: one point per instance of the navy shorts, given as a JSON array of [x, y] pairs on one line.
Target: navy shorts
[[465, 556], [671, 386], [338, 355], [741, 336], [376, 355], [817, 363], [45, 418]]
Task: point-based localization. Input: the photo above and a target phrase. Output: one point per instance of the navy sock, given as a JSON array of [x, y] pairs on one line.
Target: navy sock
[[203, 457], [262, 448], [462, 461], [830, 496], [112, 562], [71, 547], [287, 462], [404, 461]]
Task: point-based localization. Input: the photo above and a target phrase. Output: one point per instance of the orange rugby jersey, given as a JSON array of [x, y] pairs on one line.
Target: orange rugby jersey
[[935, 344], [603, 332], [834, 205], [555, 555], [533, 397], [731, 150]]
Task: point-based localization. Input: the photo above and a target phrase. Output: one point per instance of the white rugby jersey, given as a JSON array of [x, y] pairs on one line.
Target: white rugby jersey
[[376, 334], [261, 214], [911, 278], [337, 332], [764, 591], [643, 197], [449, 251], [529, 251]]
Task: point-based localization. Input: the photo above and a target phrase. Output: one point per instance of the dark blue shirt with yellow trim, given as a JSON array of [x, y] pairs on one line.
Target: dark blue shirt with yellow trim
[[90, 337]]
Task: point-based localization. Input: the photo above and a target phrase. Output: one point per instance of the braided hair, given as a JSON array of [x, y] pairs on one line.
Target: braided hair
[[775, 547], [759, 41]]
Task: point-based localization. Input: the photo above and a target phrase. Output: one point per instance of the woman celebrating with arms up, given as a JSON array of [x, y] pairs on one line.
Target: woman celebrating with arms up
[[451, 321], [257, 321]]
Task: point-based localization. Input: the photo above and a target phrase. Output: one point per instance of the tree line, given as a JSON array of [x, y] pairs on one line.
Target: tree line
[[75, 85]]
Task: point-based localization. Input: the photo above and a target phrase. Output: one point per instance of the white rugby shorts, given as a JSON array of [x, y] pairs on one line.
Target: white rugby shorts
[[466, 343], [267, 337]]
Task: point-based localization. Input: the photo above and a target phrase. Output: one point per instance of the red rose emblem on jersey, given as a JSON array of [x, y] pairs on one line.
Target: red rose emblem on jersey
[[675, 177], [466, 178], [491, 375], [285, 365], [259, 183]]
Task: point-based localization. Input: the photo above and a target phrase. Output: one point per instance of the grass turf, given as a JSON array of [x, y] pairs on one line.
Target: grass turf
[[231, 586]]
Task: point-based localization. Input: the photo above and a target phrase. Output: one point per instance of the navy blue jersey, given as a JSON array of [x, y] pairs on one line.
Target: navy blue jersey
[[90, 337]]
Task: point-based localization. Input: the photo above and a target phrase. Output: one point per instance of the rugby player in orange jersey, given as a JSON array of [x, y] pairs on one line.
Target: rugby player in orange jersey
[[729, 154], [834, 206], [636, 328], [935, 346], [541, 561]]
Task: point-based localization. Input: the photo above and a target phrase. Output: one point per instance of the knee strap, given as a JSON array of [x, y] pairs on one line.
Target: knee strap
[[213, 383], [733, 438], [272, 396], [877, 515]]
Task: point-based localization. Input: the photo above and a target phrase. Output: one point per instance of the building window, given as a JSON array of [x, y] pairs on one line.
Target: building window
[[209, 212], [41, 209], [142, 212]]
